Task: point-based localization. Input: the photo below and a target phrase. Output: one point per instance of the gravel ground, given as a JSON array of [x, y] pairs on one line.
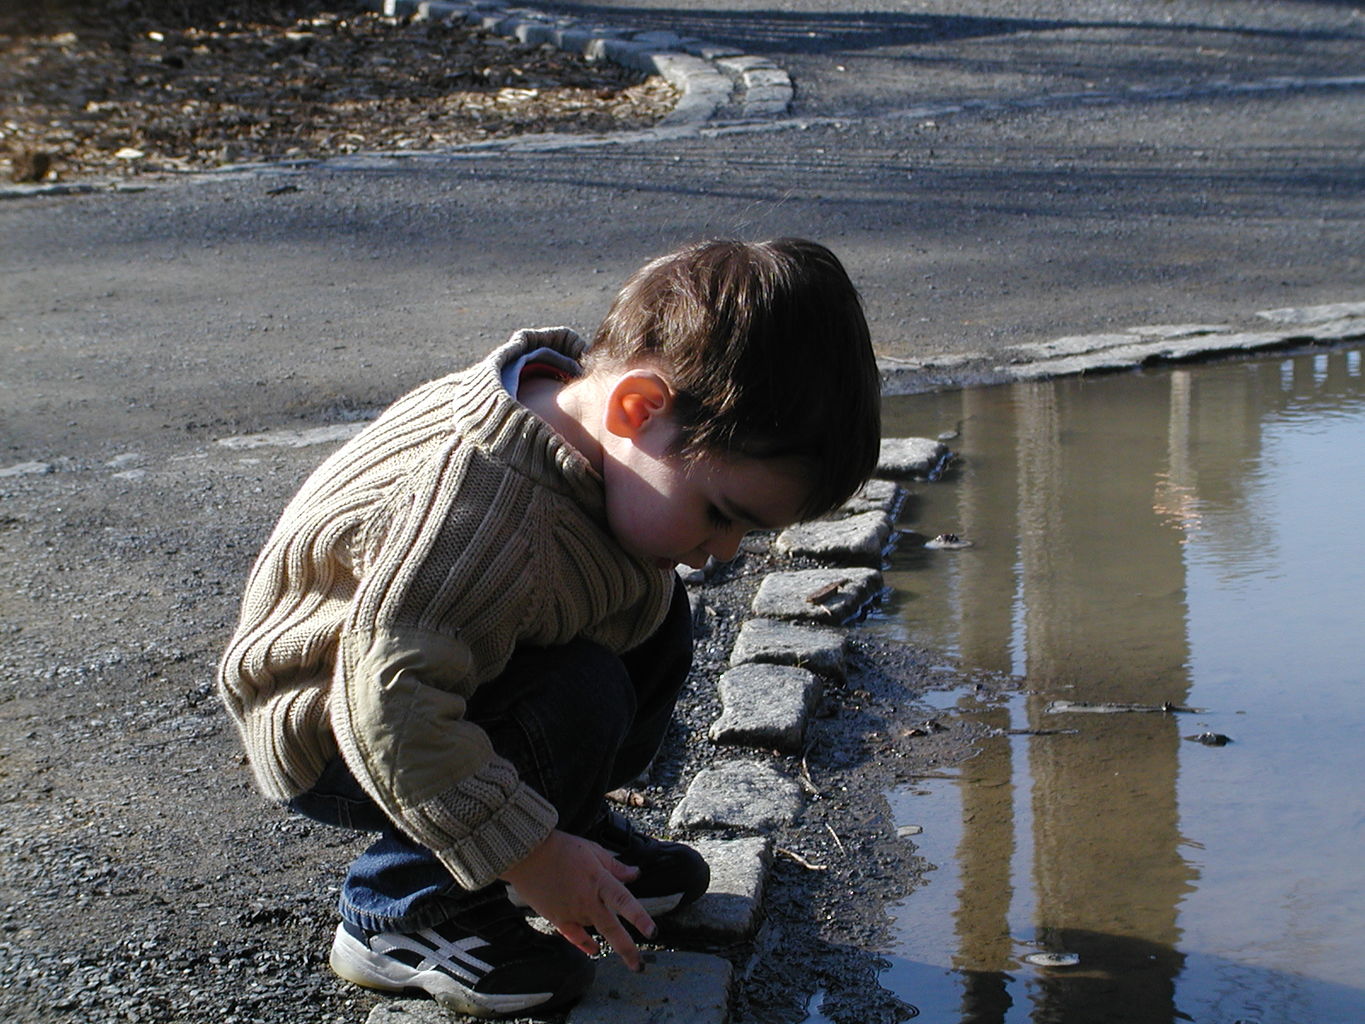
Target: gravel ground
[[141, 877]]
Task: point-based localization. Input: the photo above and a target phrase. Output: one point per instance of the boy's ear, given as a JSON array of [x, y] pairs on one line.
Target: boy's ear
[[639, 399]]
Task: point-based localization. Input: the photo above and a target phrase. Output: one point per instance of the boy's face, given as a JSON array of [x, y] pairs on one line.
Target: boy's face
[[672, 509]]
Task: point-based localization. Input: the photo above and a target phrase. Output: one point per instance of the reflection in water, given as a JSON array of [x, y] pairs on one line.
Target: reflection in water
[[1140, 539]]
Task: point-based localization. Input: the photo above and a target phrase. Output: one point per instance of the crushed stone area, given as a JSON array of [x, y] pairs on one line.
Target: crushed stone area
[[141, 877], [124, 88]]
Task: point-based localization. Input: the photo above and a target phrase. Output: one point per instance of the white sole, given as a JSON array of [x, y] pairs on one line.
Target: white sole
[[354, 961]]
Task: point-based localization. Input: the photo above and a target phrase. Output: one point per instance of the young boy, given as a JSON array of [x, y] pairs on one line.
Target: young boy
[[466, 627]]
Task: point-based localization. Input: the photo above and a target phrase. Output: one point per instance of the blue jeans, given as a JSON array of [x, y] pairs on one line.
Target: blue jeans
[[575, 720]]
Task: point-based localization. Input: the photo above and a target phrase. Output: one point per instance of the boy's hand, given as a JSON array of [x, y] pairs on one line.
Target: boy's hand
[[575, 884]]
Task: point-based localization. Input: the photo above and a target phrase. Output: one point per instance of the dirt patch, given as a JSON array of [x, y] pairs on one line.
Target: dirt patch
[[133, 87]]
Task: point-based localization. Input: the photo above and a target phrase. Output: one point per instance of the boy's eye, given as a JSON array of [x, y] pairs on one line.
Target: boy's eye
[[718, 518]]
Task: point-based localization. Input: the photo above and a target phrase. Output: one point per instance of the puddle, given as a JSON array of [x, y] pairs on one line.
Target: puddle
[[1190, 537]]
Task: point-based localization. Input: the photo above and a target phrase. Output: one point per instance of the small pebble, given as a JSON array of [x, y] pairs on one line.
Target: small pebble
[[947, 542], [1052, 959], [1210, 739]]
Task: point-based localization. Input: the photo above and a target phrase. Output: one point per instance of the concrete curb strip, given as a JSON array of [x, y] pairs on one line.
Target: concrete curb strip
[[1144, 345], [707, 75]]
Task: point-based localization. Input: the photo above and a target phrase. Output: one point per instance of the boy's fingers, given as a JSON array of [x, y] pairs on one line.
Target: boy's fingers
[[622, 872], [628, 907], [611, 929], [579, 937]]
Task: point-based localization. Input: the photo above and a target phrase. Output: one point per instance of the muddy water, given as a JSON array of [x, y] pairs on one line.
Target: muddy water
[[1192, 538]]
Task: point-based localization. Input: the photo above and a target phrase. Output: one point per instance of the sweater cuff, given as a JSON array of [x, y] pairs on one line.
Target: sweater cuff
[[502, 838]]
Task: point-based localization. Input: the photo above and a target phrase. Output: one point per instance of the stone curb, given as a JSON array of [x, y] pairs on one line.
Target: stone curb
[[707, 75], [730, 910], [829, 596], [857, 539], [766, 706], [772, 689], [911, 458], [745, 795], [770, 642], [674, 988], [1134, 347]]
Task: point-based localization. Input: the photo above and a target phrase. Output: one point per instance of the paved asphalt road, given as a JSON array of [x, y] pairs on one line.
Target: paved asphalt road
[[993, 173]]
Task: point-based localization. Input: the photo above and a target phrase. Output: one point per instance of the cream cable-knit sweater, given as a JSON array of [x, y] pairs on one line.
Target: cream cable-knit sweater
[[454, 529]]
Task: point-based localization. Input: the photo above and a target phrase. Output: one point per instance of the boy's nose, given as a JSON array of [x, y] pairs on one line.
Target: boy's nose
[[724, 546]]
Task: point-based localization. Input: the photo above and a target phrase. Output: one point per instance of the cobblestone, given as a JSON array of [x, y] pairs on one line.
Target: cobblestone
[[766, 706], [738, 794], [817, 595], [732, 906], [910, 457], [783, 643], [858, 539]]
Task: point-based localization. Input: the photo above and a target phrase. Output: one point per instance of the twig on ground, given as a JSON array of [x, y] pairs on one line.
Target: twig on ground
[[837, 841], [827, 591], [800, 859], [803, 776]]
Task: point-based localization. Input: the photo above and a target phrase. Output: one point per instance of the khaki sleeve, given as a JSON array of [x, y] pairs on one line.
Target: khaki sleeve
[[398, 714]]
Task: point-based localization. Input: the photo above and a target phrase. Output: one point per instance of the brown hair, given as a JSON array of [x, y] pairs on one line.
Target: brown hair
[[768, 353]]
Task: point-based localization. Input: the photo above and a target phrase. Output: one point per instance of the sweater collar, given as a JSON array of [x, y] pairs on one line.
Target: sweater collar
[[491, 417]]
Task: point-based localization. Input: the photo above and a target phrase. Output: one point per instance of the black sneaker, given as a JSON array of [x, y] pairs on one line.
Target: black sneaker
[[672, 875], [488, 962]]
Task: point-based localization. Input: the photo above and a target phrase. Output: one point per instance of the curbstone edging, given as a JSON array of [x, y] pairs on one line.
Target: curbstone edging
[[707, 75], [766, 706], [733, 904], [831, 596], [903, 458], [1289, 328], [857, 539], [769, 642], [740, 795], [674, 988]]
